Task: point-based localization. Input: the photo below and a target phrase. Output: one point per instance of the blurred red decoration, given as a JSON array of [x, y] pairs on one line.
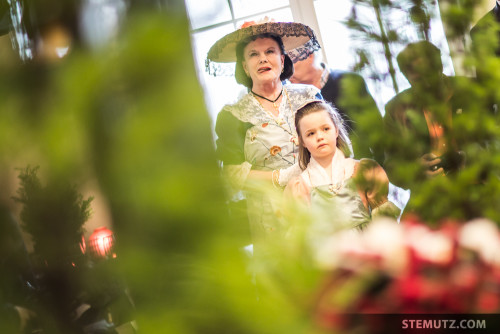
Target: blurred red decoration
[[409, 268], [101, 242]]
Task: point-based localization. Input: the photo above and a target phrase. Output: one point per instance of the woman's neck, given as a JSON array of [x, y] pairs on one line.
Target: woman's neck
[[268, 89]]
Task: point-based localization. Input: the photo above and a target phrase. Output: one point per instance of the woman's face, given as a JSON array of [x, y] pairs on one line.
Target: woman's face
[[318, 134], [262, 60]]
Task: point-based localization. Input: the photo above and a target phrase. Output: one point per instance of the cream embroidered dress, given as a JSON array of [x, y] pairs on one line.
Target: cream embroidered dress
[[251, 138]]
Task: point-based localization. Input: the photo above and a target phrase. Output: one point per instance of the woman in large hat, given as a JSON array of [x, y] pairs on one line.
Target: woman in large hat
[[256, 135]]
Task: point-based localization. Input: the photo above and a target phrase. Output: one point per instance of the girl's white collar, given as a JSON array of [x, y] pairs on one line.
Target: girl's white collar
[[342, 169]]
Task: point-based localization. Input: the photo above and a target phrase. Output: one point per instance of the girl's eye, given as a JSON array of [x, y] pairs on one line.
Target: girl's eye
[[309, 134]]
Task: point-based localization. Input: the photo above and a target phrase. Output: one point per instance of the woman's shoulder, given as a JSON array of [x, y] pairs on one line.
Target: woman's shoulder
[[244, 109], [241, 103]]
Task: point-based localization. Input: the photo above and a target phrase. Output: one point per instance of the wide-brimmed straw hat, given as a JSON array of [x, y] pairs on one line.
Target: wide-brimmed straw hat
[[299, 40]]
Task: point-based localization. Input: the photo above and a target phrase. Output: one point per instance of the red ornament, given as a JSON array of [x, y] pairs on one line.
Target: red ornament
[[101, 242]]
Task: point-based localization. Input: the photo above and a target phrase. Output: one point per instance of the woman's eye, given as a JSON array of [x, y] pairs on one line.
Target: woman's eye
[[326, 128], [270, 51]]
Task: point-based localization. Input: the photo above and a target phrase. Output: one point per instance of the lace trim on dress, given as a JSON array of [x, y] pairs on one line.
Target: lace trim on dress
[[248, 110]]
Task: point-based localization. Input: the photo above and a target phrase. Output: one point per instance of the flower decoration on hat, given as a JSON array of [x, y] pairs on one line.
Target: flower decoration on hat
[[251, 23]]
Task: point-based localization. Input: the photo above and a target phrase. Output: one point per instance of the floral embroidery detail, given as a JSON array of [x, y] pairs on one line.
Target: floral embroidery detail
[[265, 124], [295, 140], [275, 150]]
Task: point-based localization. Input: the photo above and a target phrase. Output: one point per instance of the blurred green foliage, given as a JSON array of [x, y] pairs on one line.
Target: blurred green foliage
[[474, 191], [133, 116], [53, 215]]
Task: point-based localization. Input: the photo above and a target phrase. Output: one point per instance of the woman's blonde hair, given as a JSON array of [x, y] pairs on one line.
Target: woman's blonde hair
[[343, 141]]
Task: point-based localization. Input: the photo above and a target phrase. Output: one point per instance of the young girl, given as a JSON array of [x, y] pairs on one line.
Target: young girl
[[352, 191]]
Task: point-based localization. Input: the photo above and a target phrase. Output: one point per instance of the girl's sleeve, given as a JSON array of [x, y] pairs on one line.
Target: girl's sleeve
[[230, 143], [376, 184]]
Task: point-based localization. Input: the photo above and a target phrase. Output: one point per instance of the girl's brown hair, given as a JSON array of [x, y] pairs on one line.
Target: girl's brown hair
[[343, 141]]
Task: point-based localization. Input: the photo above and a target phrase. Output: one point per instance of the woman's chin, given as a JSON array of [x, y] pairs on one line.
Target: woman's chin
[[266, 76]]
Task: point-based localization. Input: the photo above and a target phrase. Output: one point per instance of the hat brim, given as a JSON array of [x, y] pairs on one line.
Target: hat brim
[[294, 35]]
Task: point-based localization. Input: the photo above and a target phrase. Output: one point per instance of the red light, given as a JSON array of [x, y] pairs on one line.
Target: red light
[[101, 242]]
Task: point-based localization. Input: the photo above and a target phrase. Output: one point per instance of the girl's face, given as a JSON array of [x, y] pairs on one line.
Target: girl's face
[[263, 60], [319, 134]]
